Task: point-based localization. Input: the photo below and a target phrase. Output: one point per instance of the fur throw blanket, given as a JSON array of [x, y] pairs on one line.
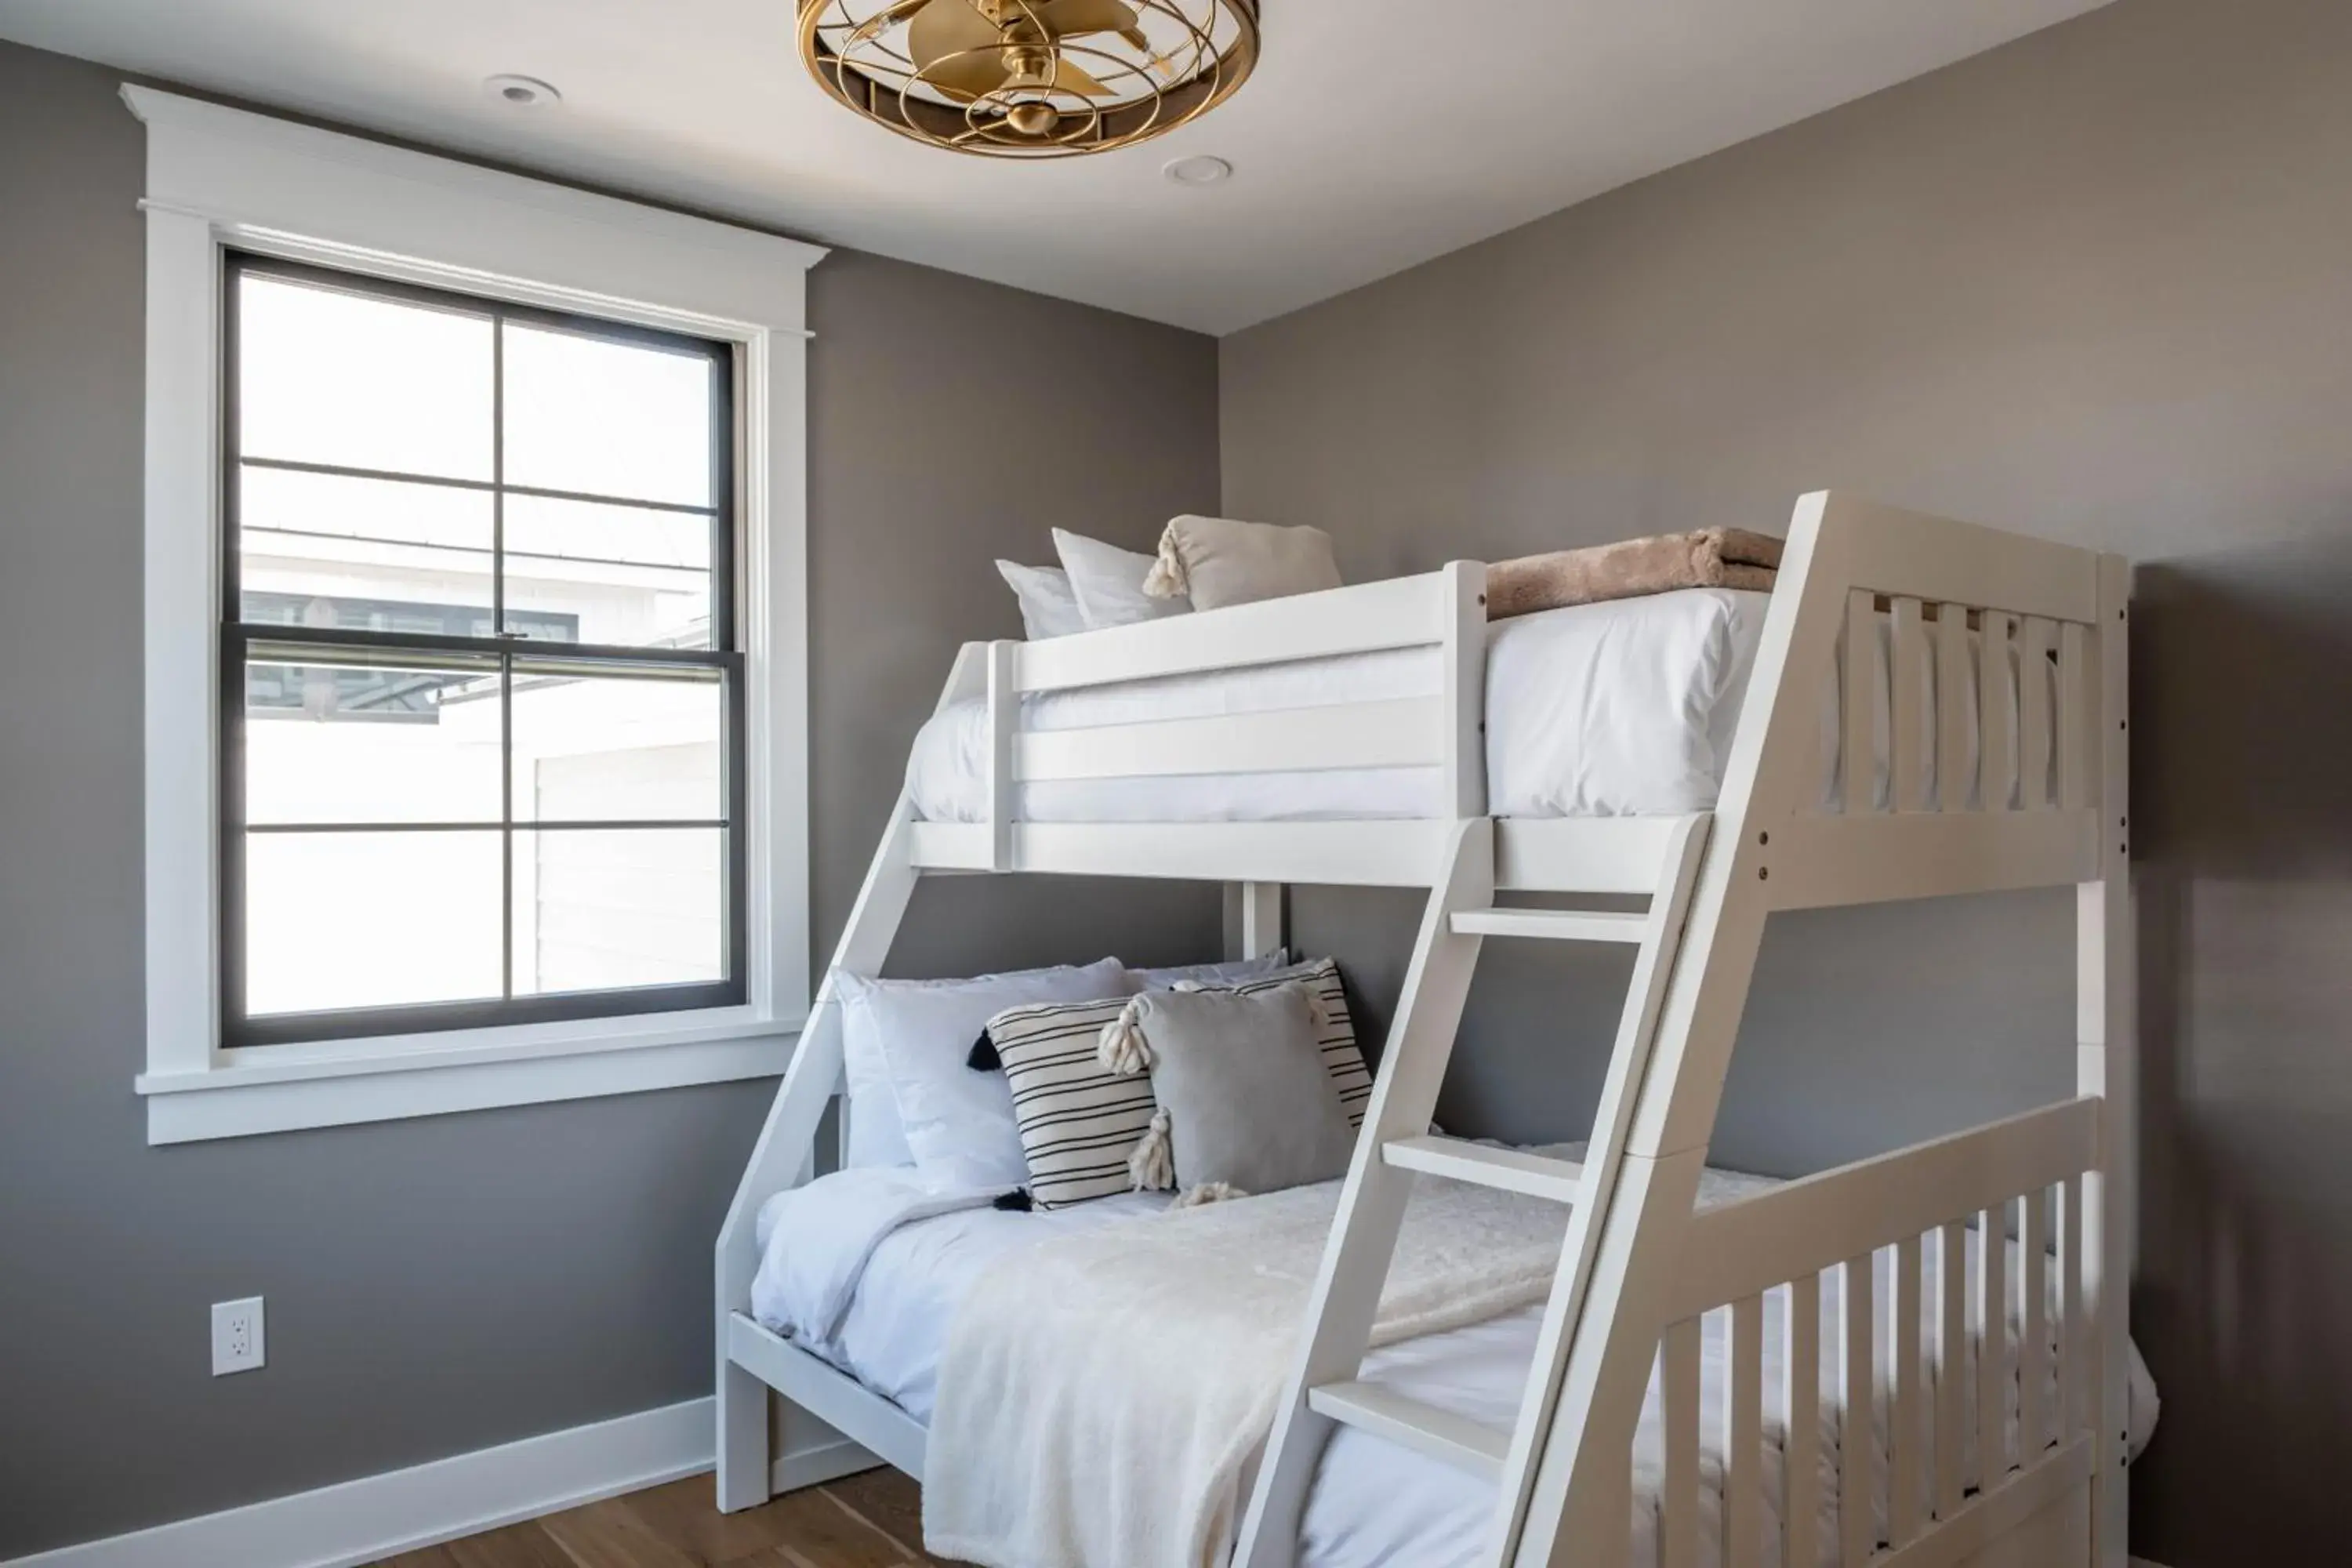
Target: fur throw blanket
[[1104, 1395], [1711, 558]]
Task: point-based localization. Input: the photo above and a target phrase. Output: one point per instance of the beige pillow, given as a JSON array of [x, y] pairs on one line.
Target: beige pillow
[[1217, 561]]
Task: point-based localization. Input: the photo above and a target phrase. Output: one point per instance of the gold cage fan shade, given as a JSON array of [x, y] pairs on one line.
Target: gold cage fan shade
[[1030, 77]]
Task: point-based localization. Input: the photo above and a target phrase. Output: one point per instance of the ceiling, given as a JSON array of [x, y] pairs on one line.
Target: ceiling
[[1375, 134]]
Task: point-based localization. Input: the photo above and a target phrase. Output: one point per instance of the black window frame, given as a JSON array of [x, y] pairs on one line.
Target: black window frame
[[237, 636]]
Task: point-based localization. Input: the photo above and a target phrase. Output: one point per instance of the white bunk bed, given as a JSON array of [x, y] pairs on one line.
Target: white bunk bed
[[1916, 623]]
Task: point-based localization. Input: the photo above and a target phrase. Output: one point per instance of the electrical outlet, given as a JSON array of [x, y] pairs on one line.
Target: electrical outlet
[[236, 1336]]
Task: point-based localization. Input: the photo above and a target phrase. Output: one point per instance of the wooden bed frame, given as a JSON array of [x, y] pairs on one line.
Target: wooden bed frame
[[1640, 1264]]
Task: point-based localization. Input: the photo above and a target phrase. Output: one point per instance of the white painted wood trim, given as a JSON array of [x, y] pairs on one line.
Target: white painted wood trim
[[182, 589], [1554, 925], [1408, 732], [1348, 854], [1821, 861], [783, 1155], [1372, 1204], [838, 1400], [1508, 1170], [1575, 855], [1583, 853], [1982, 1521], [1463, 747], [1803, 1226], [1637, 1025], [1003, 726], [2107, 1064], [1400, 612], [219, 176], [401, 1510], [234, 1103], [1895, 552], [1262, 920], [1455, 1439], [234, 167]]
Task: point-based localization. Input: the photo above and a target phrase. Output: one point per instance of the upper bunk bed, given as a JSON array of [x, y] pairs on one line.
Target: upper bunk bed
[[1335, 732]]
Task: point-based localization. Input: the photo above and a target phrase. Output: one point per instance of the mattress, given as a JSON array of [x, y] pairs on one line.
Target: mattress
[[1624, 709], [1371, 1502]]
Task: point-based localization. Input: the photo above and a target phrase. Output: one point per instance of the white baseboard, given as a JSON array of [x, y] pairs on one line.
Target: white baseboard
[[402, 1511]]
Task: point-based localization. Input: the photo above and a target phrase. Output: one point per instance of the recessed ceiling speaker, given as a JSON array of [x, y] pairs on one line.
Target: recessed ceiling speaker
[[522, 91]]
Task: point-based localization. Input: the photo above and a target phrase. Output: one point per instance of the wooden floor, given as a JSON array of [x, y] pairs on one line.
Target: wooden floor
[[873, 1520]]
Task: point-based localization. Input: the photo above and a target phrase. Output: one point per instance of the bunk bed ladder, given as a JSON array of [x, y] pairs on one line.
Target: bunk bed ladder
[[1396, 1146]]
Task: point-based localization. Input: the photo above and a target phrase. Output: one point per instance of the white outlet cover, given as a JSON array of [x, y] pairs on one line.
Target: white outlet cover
[[238, 1342]]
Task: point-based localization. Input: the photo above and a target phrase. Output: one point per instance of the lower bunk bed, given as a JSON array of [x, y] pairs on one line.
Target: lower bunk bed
[[900, 1287]]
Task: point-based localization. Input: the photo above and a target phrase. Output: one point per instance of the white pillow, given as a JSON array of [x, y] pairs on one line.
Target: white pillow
[[1233, 971], [1109, 582], [911, 1098], [1048, 608]]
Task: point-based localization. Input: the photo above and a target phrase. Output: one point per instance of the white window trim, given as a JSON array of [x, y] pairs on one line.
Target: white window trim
[[220, 176]]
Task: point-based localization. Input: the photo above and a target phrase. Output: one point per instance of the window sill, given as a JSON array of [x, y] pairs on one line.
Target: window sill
[[282, 1088]]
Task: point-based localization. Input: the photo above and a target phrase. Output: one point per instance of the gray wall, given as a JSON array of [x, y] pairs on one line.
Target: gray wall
[[2097, 285], [439, 1285]]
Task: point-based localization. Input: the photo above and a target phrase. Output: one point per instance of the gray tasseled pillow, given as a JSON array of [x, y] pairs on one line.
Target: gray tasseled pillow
[[1240, 1078]]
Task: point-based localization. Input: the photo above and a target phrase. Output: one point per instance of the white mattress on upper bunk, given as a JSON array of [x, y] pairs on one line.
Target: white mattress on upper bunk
[[902, 1269], [1613, 710]]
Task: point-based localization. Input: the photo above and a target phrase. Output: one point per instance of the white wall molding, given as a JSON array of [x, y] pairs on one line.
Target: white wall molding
[[219, 178], [404, 1511], [237, 1102]]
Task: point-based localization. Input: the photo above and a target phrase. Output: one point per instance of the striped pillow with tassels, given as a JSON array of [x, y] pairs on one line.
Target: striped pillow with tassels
[[1081, 1123]]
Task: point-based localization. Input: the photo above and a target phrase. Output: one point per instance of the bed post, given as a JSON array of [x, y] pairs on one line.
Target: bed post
[[2107, 1066], [1003, 727], [1261, 929], [1465, 688]]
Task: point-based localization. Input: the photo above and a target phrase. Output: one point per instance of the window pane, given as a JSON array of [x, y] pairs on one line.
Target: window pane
[[605, 418], [355, 738], [325, 376], [625, 576], [597, 909], [313, 549], [370, 920], [593, 746]]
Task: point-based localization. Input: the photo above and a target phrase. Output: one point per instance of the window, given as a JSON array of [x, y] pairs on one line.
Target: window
[[475, 636], [480, 750]]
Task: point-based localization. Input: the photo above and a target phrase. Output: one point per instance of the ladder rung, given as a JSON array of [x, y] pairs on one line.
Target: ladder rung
[[1512, 1170], [1440, 1434], [1553, 925]]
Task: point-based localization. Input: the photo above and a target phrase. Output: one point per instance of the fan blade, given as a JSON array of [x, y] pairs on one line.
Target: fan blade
[[968, 76], [1071, 18], [946, 28], [1068, 77]]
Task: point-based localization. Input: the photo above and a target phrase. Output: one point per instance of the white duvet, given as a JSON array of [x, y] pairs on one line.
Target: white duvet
[[867, 1268]]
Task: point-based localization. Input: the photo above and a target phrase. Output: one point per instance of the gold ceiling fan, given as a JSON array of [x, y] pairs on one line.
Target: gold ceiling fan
[[1030, 77]]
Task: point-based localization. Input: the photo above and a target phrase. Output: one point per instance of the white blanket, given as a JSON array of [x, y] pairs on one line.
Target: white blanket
[[831, 1227], [1102, 1394]]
